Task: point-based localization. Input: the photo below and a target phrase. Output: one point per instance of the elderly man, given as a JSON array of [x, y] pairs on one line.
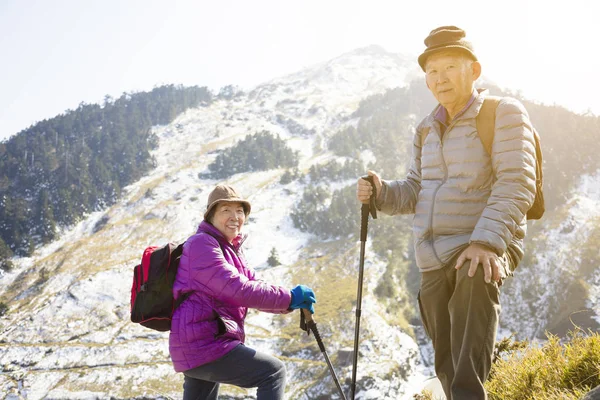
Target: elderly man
[[470, 210]]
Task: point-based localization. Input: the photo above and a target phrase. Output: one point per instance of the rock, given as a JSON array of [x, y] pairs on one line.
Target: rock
[[594, 394], [344, 356]]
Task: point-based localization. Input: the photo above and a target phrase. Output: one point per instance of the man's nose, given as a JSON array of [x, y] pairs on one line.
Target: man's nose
[[442, 76]]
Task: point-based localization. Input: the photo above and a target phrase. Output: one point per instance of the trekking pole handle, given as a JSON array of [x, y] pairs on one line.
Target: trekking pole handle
[[312, 326], [307, 315], [373, 198]]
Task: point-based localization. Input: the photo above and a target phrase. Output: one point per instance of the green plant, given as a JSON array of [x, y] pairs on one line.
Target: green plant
[[554, 370], [273, 259], [259, 152]]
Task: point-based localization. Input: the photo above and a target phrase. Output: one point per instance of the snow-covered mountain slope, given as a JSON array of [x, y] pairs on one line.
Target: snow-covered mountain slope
[[67, 335], [558, 289]]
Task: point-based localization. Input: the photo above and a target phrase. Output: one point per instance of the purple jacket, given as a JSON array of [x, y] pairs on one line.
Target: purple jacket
[[210, 322]]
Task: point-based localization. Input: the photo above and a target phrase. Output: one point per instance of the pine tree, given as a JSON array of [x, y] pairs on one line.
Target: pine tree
[[81, 158], [273, 259], [5, 254], [45, 225]]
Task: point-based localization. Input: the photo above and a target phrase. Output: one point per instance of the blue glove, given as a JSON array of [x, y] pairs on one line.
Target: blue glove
[[303, 297]]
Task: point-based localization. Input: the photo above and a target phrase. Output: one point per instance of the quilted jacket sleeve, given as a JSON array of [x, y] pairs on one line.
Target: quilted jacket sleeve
[[276, 310], [212, 274], [513, 192], [400, 197]]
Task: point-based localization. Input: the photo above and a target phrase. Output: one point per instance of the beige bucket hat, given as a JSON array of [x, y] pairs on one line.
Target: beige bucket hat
[[225, 193]]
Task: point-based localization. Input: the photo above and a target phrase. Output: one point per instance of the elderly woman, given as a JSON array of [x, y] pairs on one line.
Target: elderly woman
[[207, 332]]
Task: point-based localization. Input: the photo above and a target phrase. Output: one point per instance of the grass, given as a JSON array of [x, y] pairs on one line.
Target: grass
[[553, 371], [564, 370], [143, 189], [329, 269]]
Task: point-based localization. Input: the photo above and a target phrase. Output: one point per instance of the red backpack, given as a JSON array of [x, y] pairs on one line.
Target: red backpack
[[152, 302]]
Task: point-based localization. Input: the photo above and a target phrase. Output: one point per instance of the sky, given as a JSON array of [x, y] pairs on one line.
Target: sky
[[56, 54]]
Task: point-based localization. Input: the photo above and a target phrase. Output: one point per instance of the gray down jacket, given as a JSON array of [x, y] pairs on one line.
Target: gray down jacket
[[459, 194]]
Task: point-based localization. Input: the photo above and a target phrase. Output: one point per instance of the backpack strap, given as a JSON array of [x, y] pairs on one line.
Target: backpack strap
[[486, 122]]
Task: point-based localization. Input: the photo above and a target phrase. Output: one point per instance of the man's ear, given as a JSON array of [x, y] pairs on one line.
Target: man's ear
[[476, 69]]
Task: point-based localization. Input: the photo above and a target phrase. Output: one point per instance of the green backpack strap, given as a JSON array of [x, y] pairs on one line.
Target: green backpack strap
[[486, 122]]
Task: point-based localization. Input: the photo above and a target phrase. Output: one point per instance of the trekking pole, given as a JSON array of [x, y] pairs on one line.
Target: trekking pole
[[307, 324], [364, 221]]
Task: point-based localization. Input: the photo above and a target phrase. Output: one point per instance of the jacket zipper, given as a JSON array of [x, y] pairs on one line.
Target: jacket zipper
[[236, 251], [445, 167]]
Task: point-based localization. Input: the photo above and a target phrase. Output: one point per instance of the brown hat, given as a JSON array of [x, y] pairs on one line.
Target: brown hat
[[446, 38], [225, 193]]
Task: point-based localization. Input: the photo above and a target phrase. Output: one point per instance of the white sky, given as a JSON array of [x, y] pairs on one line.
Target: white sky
[[56, 54]]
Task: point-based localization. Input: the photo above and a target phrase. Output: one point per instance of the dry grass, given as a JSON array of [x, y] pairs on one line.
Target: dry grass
[[557, 370]]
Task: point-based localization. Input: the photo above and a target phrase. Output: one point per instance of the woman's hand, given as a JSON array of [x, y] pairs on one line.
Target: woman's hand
[[303, 297]]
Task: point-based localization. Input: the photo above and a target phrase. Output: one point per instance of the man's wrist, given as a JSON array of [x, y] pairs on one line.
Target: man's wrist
[[486, 246]]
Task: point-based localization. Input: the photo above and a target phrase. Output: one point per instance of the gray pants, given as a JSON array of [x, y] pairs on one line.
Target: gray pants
[[460, 315], [242, 367]]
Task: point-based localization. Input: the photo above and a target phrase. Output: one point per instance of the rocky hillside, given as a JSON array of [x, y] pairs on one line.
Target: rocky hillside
[[66, 332]]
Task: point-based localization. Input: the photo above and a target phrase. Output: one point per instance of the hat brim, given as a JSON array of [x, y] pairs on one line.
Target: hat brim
[[245, 204], [459, 49]]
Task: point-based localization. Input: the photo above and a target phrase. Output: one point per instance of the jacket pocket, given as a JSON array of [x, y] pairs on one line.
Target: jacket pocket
[[221, 327], [228, 328]]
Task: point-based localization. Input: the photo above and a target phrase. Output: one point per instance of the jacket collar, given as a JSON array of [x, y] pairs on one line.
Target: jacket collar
[[470, 112], [473, 109], [208, 228], [441, 114]]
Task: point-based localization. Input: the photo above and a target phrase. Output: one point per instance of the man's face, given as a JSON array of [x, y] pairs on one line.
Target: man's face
[[451, 77]]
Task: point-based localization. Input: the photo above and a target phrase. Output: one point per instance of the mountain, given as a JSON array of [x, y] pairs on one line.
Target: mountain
[[65, 333]]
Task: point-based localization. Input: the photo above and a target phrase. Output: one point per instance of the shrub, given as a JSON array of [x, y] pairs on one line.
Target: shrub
[[335, 171], [5, 254], [6, 265], [326, 214], [289, 176], [552, 371], [273, 259], [555, 370]]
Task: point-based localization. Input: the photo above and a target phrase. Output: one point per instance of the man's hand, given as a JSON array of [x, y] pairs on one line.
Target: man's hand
[[364, 188], [480, 254]]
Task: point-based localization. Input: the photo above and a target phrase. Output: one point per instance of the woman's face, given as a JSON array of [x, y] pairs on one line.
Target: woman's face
[[228, 219]]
